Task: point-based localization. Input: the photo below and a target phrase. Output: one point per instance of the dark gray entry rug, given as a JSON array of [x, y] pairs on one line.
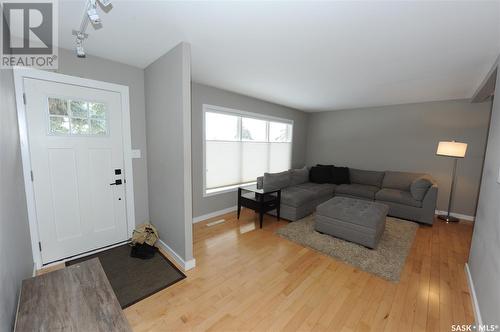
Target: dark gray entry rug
[[134, 279], [386, 261]]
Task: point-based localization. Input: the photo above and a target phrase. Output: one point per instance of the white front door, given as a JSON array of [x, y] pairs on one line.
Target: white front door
[[76, 149]]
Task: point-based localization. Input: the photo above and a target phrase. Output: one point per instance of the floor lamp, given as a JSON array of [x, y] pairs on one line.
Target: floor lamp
[[453, 150]]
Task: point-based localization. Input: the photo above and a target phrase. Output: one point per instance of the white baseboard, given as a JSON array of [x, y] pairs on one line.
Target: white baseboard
[[190, 264], [214, 214], [185, 265], [34, 270], [475, 304], [457, 215]]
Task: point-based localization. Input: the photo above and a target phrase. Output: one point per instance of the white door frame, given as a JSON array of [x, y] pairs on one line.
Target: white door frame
[[19, 75]]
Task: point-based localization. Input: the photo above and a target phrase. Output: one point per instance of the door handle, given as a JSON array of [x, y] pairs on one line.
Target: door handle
[[116, 183]]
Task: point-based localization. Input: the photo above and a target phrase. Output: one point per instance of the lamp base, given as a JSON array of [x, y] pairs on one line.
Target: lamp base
[[448, 218]]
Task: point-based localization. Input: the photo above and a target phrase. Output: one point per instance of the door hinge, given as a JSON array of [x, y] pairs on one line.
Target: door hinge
[[32, 176], [24, 98], [40, 246]]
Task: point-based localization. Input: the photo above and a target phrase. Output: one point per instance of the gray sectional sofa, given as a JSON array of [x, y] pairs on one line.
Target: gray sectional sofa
[[409, 196]]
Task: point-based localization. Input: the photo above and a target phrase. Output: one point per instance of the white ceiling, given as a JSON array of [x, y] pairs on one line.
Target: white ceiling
[[312, 56]]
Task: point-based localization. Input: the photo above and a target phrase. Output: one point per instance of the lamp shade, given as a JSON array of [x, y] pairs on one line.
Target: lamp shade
[[451, 149]]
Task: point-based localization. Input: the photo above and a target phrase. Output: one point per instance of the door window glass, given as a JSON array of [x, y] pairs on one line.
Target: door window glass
[[77, 118]]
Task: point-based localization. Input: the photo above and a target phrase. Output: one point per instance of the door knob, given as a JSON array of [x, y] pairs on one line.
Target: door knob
[[116, 183]]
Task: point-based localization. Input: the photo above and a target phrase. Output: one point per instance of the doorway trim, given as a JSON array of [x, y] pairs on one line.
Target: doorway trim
[[19, 75]]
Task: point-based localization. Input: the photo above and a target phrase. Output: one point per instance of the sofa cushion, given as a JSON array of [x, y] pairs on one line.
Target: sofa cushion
[[293, 196], [340, 175], [397, 196], [298, 176], [419, 187], [274, 181], [320, 174], [320, 190], [369, 178], [399, 180], [357, 190]]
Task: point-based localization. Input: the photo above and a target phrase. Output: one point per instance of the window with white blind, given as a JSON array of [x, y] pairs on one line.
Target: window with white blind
[[240, 146]]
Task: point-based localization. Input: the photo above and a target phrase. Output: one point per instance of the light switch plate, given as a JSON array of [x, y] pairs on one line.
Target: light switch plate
[[136, 154]]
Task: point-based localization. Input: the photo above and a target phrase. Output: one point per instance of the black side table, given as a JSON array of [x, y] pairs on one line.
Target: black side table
[[259, 200]]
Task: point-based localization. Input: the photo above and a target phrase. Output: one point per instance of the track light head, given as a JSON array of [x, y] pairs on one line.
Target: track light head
[[92, 13], [80, 37], [105, 3], [80, 52]]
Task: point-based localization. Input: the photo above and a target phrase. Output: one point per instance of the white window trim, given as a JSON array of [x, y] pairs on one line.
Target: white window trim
[[230, 111], [226, 189]]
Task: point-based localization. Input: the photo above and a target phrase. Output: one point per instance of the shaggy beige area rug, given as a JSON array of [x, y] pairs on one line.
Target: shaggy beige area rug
[[386, 261]]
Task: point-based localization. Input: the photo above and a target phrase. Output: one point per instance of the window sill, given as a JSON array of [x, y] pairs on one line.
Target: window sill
[[224, 190]]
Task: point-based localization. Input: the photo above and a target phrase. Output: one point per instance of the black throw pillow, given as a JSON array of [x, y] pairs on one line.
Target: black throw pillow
[[340, 175], [320, 174]]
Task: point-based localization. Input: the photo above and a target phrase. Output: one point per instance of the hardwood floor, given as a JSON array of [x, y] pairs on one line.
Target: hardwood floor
[[247, 278]]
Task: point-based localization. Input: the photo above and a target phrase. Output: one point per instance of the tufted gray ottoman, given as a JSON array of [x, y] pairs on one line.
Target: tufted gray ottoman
[[354, 220]]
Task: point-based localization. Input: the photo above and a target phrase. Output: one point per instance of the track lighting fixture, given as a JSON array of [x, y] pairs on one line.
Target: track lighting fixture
[[90, 15]]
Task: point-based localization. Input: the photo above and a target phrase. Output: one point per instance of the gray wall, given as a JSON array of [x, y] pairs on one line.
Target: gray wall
[[108, 71], [405, 138], [16, 261], [202, 94], [484, 258], [168, 120]]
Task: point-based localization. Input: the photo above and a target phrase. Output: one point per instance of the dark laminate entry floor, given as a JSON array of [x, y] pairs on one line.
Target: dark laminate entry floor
[[78, 298]]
